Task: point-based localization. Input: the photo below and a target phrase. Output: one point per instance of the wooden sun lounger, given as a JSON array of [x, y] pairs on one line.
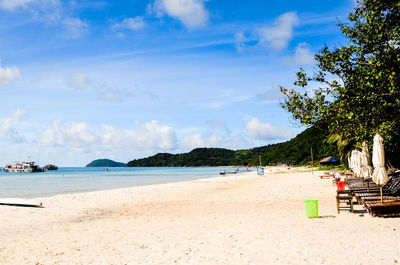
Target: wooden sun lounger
[[387, 198], [326, 175], [383, 209], [363, 196], [368, 194]]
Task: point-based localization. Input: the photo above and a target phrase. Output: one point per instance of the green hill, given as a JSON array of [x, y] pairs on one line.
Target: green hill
[[105, 163], [295, 151], [197, 157]]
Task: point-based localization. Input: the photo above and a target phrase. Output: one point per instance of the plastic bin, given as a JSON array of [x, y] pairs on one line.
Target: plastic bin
[[311, 208], [341, 185]]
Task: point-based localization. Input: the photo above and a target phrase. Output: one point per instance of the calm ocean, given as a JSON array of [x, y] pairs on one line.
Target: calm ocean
[[82, 179]]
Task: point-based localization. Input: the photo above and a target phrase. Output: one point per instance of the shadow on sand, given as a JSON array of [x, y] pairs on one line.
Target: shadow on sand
[[326, 216]]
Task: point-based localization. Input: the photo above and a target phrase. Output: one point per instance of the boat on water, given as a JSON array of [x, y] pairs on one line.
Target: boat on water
[[229, 172], [50, 167], [23, 167]]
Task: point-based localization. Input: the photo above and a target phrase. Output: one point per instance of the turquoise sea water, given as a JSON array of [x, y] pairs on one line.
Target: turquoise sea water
[[82, 179]]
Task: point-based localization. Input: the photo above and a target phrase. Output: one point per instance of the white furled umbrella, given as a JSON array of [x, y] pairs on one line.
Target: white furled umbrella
[[349, 159], [357, 163], [352, 160], [366, 169], [380, 175], [359, 168]]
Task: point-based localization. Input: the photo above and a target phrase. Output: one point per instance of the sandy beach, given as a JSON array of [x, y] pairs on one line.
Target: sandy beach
[[237, 219]]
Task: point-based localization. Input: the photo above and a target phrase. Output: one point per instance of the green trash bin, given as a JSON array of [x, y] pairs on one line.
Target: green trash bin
[[311, 208]]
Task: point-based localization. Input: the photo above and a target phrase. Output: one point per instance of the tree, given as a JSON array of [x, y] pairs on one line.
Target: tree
[[359, 83]]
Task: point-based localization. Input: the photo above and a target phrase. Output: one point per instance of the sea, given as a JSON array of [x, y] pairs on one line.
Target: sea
[[84, 179]]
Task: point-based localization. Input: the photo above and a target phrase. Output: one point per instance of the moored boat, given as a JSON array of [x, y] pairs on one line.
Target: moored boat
[[229, 172], [23, 167], [50, 167]]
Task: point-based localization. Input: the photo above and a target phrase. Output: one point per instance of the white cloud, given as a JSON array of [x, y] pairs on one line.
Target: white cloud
[[192, 13], [264, 131], [50, 12], [9, 75], [196, 140], [69, 135], [135, 23], [8, 130], [272, 94], [278, 36], [78, 80], [218, 124], [302, 56], [108, 93], [74, 27], [154, 135], [13, 4], [110, 96], [240, 40], [149, 136], [46, 11]]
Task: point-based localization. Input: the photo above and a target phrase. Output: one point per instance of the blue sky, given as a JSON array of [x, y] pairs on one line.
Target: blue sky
[[81, 80]]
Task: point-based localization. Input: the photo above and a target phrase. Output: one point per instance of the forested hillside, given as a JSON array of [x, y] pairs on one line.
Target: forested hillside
[[295, 151]]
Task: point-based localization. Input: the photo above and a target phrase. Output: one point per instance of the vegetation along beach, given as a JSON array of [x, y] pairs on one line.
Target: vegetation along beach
[[199, 132]]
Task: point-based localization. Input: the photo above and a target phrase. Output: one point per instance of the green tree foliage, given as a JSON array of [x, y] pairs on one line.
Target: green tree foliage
[[295, 151], [197, 157], [359, 83]]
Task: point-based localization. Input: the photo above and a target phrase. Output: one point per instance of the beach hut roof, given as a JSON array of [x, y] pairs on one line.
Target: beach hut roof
[[329, 159]]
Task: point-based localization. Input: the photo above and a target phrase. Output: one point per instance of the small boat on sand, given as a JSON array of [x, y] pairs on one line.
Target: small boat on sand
[[20, 202]]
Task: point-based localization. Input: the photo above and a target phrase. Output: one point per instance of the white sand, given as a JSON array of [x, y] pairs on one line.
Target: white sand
[[244, 219]]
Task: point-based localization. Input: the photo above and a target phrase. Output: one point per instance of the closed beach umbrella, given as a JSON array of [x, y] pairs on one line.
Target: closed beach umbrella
[[352, 158], [366, 169], [349, 159], [357, 163], [380, 175]]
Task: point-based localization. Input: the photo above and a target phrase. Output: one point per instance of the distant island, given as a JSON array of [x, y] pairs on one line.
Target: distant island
[[105, 163]]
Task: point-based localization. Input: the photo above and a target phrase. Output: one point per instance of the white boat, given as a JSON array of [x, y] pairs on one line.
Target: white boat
[[23, 167]]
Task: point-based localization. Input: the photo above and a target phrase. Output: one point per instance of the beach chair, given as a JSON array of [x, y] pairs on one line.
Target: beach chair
[[390, 204], [344, 203], [383, 209], [327, 175], [344, 199]]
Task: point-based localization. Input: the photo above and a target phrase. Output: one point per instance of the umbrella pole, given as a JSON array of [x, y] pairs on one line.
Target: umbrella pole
[[368, 186], [381, 194]]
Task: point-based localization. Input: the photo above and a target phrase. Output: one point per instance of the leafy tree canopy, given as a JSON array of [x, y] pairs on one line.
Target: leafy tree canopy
[[358, 92]]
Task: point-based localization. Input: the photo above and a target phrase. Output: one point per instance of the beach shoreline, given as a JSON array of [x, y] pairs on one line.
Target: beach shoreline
[[235, 219]]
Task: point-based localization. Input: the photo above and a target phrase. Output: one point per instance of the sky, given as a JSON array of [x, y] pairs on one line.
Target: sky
[[83, 80]]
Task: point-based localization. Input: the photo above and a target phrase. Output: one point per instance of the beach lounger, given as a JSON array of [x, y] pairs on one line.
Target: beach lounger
[[327, 175], [368, 194], [383, 209]]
